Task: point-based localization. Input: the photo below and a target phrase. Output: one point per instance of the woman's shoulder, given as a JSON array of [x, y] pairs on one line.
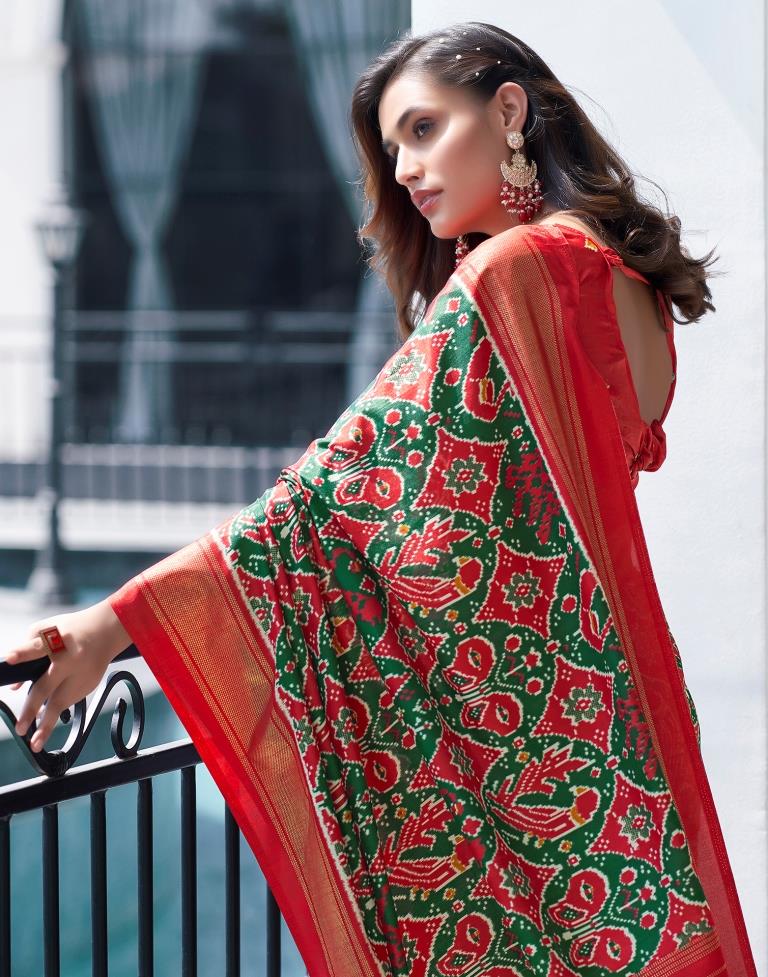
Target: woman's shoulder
[[552, 239], [564, 218], [557, 227]]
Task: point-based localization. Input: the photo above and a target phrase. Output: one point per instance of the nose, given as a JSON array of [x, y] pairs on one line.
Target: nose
[[407, 168]]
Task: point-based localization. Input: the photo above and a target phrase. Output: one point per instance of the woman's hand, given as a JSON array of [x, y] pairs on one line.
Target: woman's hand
[[93, 637]]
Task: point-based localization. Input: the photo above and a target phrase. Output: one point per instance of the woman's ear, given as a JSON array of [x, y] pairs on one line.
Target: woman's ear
[[511, 104]]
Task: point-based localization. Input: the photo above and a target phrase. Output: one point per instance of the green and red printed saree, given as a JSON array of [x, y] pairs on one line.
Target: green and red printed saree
[[431, 674]]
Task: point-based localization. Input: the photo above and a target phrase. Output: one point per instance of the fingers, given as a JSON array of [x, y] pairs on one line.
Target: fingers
[[53, 709], [46, 700], [37, 695], [31, 649]]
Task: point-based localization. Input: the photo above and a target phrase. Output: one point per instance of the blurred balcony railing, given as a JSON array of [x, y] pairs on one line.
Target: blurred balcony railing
[[249, 390], [248, 378]]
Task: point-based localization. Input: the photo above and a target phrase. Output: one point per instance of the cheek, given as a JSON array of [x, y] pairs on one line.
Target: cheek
[[462, 146], [473, 174], [472, 160]]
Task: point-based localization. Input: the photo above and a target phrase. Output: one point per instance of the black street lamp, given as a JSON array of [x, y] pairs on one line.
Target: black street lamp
[[60, 231]]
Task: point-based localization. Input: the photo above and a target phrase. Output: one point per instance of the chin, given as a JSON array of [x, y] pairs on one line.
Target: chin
[[438, 230]]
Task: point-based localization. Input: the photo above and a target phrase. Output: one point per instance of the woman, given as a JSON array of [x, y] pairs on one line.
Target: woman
[[429, 668]]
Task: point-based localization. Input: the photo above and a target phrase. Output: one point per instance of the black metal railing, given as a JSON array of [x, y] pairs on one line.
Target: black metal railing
[[60, 782]]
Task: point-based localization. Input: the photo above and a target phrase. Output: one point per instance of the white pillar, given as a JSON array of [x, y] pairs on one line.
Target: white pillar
[[30, 66]]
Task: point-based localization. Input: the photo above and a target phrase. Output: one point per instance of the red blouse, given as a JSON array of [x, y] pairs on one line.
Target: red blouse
[[644, 444]]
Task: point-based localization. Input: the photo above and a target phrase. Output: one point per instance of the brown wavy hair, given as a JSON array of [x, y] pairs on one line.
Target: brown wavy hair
[[579, 171]]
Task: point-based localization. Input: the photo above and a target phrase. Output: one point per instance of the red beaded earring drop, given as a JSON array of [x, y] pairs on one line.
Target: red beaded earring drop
[[462, 249], [520, 191]]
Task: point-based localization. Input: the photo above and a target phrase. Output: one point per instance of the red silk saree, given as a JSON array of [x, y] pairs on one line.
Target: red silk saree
[[431, 675]]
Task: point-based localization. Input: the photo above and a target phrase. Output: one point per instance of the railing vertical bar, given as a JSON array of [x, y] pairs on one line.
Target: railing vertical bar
[[145, 881], [51, 944], [273, 936], [232, 887], [5, 897], [188, 874], [99, 954]]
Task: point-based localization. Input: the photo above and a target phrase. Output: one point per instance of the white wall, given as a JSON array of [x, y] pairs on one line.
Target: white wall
[[681, 87], [29, 145]]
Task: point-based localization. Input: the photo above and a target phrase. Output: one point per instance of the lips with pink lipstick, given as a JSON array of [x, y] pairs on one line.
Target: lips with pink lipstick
[[425, 199]]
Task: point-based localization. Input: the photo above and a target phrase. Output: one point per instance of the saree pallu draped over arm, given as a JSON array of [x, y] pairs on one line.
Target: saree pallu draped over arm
[[430, 672]]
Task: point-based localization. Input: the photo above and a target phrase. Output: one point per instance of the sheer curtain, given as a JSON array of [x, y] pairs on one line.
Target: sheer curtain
[[335, 40], [143, 60]]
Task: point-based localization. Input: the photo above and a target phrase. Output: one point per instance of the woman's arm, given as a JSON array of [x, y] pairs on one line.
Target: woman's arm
[[114, 638]]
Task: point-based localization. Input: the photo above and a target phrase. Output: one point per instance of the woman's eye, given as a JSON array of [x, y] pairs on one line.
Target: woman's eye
[[416, 129]]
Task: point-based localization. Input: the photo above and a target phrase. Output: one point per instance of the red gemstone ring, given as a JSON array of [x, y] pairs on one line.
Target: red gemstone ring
[[53, 639]]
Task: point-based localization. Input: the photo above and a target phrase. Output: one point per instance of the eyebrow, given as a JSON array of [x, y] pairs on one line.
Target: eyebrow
[[385, 143]]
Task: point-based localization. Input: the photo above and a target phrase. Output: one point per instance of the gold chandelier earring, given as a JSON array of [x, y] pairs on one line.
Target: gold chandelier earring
[[521, 194], [520, 191]]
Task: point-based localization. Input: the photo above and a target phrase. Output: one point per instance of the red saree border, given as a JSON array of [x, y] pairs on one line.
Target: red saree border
[[257, 768], [702, 957], [530, 323]]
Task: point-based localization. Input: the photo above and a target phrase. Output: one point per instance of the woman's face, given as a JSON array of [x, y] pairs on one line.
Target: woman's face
[[453, 144]]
